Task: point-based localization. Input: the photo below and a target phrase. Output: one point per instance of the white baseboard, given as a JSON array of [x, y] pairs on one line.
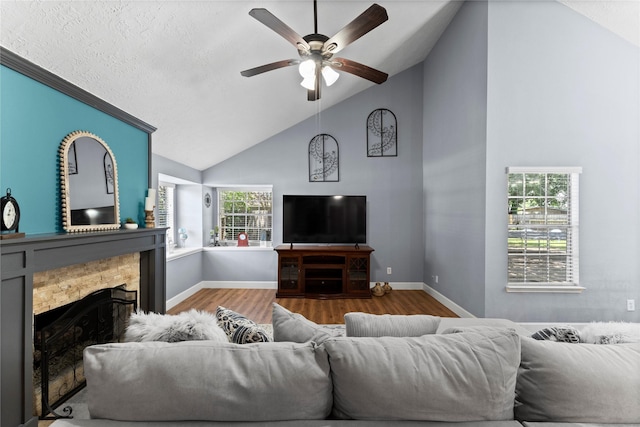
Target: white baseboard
[[461, 312], [212, 284], [172, 302], [403, 286]]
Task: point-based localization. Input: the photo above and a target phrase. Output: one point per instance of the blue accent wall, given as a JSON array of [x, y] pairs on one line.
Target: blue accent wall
[[34, 119]]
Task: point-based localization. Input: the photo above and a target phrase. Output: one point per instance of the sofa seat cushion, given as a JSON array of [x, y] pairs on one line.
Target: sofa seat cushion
[[387, 325], [552, 424], [203, 380], [457, 377], [294, 423], [587, 383]]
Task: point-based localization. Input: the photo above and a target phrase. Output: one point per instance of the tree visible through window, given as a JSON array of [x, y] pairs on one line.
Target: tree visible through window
[[245, 211], [543, 226]]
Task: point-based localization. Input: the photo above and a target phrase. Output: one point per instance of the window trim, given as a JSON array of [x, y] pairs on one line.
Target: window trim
[[542, 287]]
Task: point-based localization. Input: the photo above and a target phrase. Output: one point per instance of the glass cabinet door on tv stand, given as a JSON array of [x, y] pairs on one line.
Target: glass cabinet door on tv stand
[[289, 276], [358, 274]]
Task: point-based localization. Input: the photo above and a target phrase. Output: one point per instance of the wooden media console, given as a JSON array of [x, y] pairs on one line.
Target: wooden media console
[[323, 271]]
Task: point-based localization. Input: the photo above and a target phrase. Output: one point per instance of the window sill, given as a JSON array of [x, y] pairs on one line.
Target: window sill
[[562, 289], [237, 248], [181, 253]]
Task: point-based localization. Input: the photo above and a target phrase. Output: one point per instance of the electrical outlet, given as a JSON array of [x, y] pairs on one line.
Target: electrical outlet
[[435, 278], [631, 305], [388, 270]]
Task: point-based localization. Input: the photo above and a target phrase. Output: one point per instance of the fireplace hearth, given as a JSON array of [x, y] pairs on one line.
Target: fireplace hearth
[[62, 334]]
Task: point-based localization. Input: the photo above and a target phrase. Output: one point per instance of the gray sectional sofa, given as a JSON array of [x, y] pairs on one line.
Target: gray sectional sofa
[[470, 372]]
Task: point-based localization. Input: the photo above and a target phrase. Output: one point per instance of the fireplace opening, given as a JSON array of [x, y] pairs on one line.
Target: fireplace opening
[[62, 334]]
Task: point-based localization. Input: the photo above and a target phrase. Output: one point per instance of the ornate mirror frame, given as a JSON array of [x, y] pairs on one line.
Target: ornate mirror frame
[[67, 158]]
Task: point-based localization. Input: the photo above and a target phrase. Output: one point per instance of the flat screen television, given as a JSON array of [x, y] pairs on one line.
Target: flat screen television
[[324, 219]]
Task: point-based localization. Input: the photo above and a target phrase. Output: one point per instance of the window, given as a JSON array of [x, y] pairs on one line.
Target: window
[[543, 229], [245, 210], [166, 209]]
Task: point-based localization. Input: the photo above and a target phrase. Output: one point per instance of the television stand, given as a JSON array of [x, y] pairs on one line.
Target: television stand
[[323, 272]]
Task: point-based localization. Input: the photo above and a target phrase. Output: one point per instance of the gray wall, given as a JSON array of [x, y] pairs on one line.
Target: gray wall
[[393, 185], [553, 89], [455, 99], [565, 92]]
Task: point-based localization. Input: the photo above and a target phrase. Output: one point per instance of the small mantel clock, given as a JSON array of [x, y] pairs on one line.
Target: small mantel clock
[[10, 217]]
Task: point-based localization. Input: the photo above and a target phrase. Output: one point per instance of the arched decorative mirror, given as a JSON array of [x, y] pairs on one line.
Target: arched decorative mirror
[[89, 184]]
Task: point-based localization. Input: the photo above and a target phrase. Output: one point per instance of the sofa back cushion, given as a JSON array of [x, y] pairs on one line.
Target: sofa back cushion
[[457, 377], [294, 327], [386, 325], [588, 383], [211, 381]]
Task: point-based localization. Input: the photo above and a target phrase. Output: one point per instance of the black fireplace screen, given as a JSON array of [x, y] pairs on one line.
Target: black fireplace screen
[[100, 317]]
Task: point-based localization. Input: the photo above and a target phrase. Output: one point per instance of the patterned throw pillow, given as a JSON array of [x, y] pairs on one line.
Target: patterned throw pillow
[[558, 333], [240, 329]]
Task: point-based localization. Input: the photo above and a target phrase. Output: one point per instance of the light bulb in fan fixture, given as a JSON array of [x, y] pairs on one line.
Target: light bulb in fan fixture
[[330, 75], [307, 69], [309, 83]]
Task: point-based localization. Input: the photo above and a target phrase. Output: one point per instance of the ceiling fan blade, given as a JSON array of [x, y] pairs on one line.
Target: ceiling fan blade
[[365, 22], [268, 67], [360, 70], [270, 20]]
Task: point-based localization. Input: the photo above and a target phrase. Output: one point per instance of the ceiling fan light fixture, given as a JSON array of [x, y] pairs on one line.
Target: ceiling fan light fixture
[[307, 69], [308, 83], [330, 75]]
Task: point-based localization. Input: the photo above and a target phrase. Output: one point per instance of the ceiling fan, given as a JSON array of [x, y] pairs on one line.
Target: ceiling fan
[[316, 50]]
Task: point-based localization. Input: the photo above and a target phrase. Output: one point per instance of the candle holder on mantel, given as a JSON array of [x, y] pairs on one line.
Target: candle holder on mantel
[[149, 219]]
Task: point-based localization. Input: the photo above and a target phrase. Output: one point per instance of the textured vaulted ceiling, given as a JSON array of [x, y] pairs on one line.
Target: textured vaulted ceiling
[[176, 64]]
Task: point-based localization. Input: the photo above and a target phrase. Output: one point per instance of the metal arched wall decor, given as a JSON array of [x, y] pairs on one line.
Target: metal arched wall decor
[[382, 134], [324, 159]]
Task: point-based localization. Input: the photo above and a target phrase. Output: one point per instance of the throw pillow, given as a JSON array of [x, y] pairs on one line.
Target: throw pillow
[[240, 329], [610, 333], [294, 327], [583, 383], [387, 325], [558, 333], [187, 326]]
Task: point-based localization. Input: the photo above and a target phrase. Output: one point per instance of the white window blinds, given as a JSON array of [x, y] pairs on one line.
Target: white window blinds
[[543, 226]]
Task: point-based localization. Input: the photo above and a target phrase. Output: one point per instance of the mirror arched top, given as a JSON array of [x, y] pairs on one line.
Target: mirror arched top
[[89, 184]]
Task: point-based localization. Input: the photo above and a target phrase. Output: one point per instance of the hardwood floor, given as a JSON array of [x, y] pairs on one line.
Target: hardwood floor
[[256, 304]]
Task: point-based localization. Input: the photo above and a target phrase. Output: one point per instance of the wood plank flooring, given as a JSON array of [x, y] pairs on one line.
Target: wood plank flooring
[[256, 304]]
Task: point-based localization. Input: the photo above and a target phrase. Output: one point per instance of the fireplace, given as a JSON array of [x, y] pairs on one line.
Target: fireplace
[[62, 334], [23, 260]]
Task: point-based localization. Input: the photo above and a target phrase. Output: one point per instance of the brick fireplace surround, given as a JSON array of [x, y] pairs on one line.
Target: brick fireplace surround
[[27, 263]]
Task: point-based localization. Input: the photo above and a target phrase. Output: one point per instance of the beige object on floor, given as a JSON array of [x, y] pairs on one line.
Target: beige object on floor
[[377, 290]]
